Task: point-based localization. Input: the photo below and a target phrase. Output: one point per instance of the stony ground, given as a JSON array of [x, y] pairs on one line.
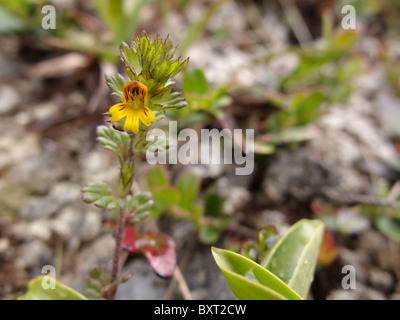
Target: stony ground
[[48, 152]]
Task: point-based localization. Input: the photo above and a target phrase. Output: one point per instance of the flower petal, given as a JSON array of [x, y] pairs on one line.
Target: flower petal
[[147, 116], [132, 121], [118, 111]]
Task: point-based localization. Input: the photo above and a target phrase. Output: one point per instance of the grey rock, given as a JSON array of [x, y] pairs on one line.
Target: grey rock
[[358, 259], [361, 292], [62, 194], [100, 252], [381, 280], [9, 99], [275, 218], [144, 285], [34, 255]]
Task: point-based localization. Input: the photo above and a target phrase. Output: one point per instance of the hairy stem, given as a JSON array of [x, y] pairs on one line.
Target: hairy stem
[[121, 224], [117, 252]]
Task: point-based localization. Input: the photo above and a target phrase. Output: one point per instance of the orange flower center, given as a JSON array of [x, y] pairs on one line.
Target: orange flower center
[[135, 94]]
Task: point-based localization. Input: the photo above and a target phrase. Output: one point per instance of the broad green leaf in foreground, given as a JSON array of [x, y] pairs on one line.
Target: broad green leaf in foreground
[[36, 291], [248, 280], [294, 256]]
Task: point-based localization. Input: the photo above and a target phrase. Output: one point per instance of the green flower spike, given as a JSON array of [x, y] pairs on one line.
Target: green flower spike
[[150, 65]]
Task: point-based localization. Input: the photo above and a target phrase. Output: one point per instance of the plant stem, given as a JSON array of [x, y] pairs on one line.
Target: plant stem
[[117, 252], [121, 224]]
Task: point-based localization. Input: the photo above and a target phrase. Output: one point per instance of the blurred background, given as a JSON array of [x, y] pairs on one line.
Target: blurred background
[[322, 98]]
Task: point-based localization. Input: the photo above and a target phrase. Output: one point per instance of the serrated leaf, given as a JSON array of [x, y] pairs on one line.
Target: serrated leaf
[[113, 140], [139, 204], [156, 144], [36, 291], [130, 58], [248, 280], [172, 101], [100, 195], [294, 256], [95, 191], [178, 68], [116, 85], [98, 279]]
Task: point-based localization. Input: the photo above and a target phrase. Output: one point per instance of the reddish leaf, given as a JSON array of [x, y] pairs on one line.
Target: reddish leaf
[[328, 251], [159, 250], [130, 241]]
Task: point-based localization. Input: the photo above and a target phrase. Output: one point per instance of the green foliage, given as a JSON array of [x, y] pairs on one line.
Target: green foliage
[[323, 76], [100, 195], [195, 81], [151, 61], [248, 280], [327, 68], [294, 256], [204, 100], [257, 250], [383, 212], [36, 291], [139, 204], [97, 281], [179, 201], [113, 140], [285, 273], [116, 85], [303, 109]]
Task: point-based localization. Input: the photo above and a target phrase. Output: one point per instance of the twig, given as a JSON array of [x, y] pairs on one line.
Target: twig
[[183, 263], [182, 285]]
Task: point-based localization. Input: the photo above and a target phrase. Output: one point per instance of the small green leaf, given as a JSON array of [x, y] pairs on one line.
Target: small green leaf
[[100, 195], [156, 177], [210, 232], [116, 85], [188, 185], [155, 144], [139, 204], [172, 101], [36, 291], [195, 81], [130, 59], [113, 140], [98, 279], [166, 195], [248, 280], [294, 256], [213, 205]]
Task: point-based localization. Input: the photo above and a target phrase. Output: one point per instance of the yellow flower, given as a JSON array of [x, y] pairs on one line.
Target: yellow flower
[[134, 108]]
